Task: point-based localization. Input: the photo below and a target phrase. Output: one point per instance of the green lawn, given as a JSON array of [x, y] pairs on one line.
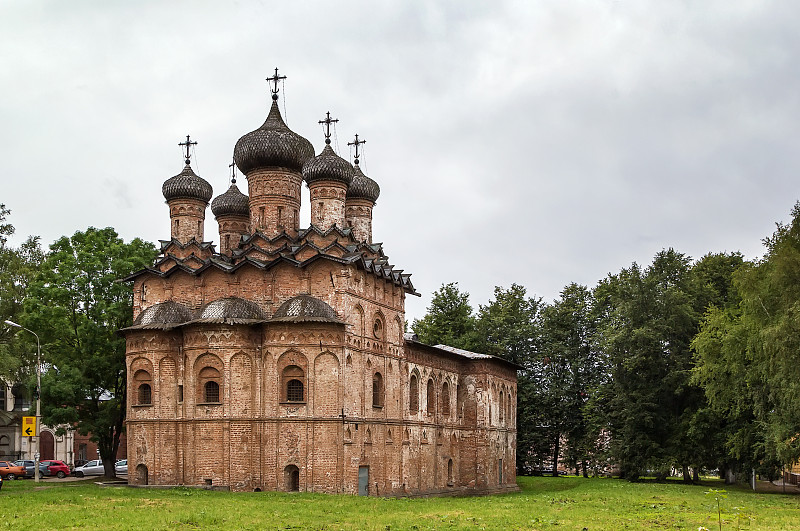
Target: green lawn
[[544, 503]]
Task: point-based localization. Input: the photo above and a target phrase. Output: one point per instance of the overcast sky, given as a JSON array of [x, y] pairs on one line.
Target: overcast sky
[[536, 142]]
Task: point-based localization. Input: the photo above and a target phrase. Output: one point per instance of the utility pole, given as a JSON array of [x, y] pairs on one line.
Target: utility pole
[[36, 456]]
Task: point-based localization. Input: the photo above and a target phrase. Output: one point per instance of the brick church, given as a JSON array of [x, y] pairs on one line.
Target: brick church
[[279, 362]]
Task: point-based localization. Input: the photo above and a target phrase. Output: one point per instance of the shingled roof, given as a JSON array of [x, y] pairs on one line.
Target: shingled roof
[[264, 252]]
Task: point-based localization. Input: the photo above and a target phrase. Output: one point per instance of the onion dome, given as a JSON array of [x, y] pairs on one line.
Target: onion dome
[[272, 145], [163, 315], [231, 203], [328, 166], [231, 309], [187, 185], [363, 187], [304, 308]]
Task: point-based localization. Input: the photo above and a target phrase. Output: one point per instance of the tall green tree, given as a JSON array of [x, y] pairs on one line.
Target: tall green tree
[[748, 356], [647, 332], [507, 327], [573, 370], [78, 305], [449, 319], [18, 265]]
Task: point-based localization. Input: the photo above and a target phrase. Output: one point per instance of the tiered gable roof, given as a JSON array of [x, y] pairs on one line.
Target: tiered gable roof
[[262, 252]]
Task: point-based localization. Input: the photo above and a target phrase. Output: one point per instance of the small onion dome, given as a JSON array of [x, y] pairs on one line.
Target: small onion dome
[[272, 145], [328, 166], [163, 315], [363, 187], [303, 308], [187, 185], [231, 203], [231, 309]]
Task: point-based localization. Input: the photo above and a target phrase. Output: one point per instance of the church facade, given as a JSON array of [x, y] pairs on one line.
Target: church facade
[[280, 361]]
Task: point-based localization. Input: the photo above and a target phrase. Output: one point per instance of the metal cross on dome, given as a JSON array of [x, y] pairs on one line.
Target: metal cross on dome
[[356, 144], [232, 166], [274, 80], [188, 144], [328, 121]]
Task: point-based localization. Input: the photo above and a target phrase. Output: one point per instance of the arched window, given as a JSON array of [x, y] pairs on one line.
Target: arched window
[[431, 398], [377, 390], [446, 399], [145, 395], [502, 411], [450, 478], [209, 386], [144, 391], [460, 398], [413, 394], [294, 391], [211, 392], [293, 384]]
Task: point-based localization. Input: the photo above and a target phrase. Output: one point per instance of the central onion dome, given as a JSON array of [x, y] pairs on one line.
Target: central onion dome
[[362, 187], [303, 308], [272, 145], [187, 185], [231, 203], [328, 166]]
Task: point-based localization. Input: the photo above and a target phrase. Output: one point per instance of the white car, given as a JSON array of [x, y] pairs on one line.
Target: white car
[[121, 466], [92, 468]]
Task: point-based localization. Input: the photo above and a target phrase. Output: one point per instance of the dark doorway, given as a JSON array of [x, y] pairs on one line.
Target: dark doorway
[[141, 475], [47, 446], [363, 481], [291, 477]]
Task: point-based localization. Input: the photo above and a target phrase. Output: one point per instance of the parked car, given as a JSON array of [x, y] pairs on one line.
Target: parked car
[[11, 471], [121, 466], [29, 464], [91, 468], [56, 468]]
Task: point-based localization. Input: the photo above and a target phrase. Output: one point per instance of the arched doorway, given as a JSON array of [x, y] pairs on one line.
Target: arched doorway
[[141, 475], [47, 446], [291, 478]]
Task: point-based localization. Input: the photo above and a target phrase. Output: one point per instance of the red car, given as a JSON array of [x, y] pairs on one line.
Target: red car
[[56, 468]]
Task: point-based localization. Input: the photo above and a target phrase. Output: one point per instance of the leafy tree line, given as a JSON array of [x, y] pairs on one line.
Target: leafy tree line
[[681, 364], [70, 296]]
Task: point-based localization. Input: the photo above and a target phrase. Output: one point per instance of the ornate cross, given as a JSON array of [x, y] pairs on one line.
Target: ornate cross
[[232, 166], [328, 121], [188, 144], [274, 80], [356, 144]]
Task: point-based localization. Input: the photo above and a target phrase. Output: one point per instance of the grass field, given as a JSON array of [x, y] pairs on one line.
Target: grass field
[[544, 503]]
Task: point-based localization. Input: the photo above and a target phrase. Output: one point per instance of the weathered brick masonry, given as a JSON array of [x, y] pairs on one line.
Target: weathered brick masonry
[[280, 363]]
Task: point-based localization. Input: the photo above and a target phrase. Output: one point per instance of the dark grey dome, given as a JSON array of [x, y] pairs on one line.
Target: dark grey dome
[[363, 187], [328, 166], [305, 308], [272, 145], [162, 315], [187, 185], [231, 309], [231, 203]]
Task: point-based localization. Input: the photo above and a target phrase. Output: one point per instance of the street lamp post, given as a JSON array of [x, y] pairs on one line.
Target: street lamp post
[[38, 398]]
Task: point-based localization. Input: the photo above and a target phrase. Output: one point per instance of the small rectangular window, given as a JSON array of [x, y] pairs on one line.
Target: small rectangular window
[[180, 393]]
